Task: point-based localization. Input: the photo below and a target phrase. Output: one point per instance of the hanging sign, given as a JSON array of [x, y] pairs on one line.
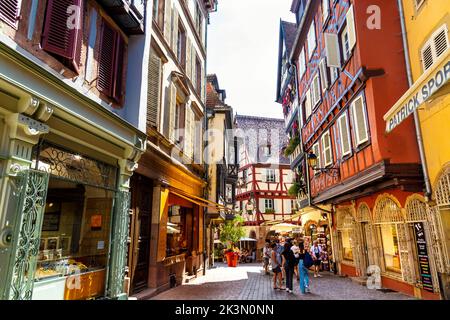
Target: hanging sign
[[423, 90], [424, 262]]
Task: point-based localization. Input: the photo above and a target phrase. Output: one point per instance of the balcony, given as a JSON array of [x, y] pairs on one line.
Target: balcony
[[295, 156], [128, 14]]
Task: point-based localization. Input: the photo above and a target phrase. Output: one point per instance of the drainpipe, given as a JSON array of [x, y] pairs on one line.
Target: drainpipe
[[416, 115]]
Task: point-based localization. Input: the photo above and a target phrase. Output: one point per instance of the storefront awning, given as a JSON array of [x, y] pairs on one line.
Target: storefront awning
[[434, 80], [200, 201]]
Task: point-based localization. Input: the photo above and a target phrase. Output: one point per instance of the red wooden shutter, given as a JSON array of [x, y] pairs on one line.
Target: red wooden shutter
[[9, 11], [106, 65], [119, 70], [57, 37]]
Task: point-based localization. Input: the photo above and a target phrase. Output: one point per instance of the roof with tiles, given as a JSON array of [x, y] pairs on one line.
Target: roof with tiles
[[269, 131], [290, 30]]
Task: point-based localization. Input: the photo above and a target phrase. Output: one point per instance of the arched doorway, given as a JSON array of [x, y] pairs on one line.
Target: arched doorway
[[349, 242]]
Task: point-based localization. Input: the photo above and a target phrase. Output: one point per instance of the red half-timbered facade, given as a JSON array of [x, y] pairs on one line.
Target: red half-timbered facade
[[345, 70]]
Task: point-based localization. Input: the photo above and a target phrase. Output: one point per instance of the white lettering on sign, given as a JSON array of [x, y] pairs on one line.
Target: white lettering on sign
[[421, 95]]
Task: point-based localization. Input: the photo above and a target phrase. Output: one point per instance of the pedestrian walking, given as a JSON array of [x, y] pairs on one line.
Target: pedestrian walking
[[288, 264], [276, 268], [316, 254], [305, 262], [280, 249], [267, 251], [295, 250]]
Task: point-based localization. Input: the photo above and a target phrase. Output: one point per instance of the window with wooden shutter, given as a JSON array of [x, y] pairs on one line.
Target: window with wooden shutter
[[315, 90], [168, 21], [327, 155], [172, 112], [188, 146], [308, 104], [316, 151], [325, 9], [311, 39], [324, 74], [174, 43], [359, 119], [111, 66], [188, 58], [344, 135], [350, 18], [332, 50], [302, 64], [10, 12], [106, 64], [154, 90], [63, 32], [435, 47]]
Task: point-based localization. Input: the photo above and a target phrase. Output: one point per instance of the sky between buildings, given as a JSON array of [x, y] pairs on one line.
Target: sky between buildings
[[243, 50]]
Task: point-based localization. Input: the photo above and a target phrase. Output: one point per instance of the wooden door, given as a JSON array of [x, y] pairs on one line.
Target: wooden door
[[140, 225]]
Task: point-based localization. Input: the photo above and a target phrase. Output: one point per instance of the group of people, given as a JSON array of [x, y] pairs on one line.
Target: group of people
[[288, 258]]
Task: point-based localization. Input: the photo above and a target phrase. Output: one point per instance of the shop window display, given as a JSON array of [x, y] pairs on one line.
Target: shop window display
[[177, 227], [390, 247], [347, 244], [75, 238]]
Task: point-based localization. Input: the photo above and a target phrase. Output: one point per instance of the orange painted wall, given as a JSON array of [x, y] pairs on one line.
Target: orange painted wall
[[348, 270]]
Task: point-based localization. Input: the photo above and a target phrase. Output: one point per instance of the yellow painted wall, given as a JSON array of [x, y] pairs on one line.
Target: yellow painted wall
[[435, 115]]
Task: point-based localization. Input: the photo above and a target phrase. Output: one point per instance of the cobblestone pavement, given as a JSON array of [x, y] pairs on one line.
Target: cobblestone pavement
[[247, 282]]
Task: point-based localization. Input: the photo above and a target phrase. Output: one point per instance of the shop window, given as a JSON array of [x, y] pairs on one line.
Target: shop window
[[61, 39], [179, 230], [74, 243], [389, 240], [347, 244]]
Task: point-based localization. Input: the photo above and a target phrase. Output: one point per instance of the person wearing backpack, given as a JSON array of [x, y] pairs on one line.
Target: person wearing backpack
[[305, 262]]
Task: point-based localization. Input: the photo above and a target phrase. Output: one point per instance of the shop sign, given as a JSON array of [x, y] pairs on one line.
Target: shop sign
[[426, 86], [424, 262]]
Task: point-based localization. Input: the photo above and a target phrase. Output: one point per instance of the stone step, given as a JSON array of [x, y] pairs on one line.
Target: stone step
[[359, 280]]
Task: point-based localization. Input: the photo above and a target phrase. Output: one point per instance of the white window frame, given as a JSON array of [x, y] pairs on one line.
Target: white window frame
[[312, 39], [355, 122], [431, 43], [325, 5], [345, 54], [316, 151], [344, 117], [270, 175], [308, 104], [315, 90], [302, 64], [267, 206], [326, 137]]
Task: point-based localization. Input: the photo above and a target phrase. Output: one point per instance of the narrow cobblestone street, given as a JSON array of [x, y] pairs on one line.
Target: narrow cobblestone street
[[247, 282]]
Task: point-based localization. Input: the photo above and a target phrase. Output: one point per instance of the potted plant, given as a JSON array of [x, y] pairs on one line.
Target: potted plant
[[230, 233]]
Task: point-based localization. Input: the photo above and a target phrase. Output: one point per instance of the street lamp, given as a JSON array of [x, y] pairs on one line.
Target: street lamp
[[313, 161]]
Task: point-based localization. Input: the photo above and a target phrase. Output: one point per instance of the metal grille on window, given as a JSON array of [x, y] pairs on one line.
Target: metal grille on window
[[67, 165], [387, 211], [442, 193], [363, 213]]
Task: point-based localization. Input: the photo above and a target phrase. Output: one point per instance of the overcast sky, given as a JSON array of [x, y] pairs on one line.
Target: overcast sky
[[243, 51]]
